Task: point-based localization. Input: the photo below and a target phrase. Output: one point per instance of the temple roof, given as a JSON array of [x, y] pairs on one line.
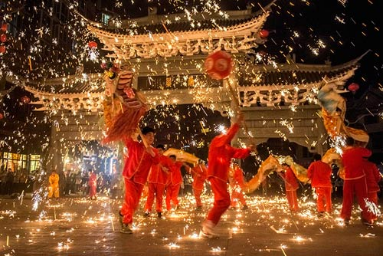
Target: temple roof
[[260, 76], [269, 77], [165, 37]]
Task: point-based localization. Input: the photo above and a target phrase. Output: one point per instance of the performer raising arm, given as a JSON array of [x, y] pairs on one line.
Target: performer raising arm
[[219, 158]]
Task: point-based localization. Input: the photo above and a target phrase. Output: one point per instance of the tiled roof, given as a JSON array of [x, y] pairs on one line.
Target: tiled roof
[[71, 86], [259, 78], [266, 78], [258, 75], [181, 26]]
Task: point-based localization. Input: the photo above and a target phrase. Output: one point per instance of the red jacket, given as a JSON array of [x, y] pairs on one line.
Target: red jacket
[[353, 162], [290, 180], [221, 152], [139, 161], [175, 177], [199, 173], [157, 175], [320, 174], [373, 176]]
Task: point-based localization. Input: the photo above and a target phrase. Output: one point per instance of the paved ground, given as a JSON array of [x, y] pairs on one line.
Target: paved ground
[[78, 226]]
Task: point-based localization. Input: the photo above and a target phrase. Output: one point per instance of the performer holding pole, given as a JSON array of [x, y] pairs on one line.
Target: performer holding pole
[[219, 158]]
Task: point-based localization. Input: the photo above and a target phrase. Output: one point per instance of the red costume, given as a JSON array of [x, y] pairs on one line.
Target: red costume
[[355, 182], [373, 176], [291, 185], [320, 175], [173, 186], [219, 158], [92, 182], [157, 180], [236, 182], [199, 173], [136, 169]]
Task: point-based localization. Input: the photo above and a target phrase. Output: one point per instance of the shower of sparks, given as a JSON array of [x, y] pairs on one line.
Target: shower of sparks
[[164, 114]]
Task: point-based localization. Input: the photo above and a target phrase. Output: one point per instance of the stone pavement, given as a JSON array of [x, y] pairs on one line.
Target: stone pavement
[[79, 226]]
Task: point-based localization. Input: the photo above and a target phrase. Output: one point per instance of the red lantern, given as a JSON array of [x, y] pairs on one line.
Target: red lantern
[[1, 116], [218, 65], [4, 27], [92, 44], [25, 99], [2, 49], [264, 33], [353, 87], [3, 38]]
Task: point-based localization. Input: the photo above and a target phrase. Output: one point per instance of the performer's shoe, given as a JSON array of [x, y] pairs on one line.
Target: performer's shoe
[[146, 214], [121, 220], [207, 230], [126, 229], [245, 207], [367, 222], [347, 222], [159, 214]]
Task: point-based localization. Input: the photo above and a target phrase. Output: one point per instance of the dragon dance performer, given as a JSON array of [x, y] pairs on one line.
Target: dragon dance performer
[[199, 174], [219, 158], [174, 182], [141, 156], [373, 178], [291, 186], [236, 182], [355, 182], [320, 174], [157, 180]]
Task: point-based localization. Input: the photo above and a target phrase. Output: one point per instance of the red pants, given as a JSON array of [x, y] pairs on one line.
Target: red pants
[[158, 189], [197, 193], [324, 200], [172, 193], [222, 199], [237, 195], [292, 200], [131, 201], [92, 191], [359, 187]]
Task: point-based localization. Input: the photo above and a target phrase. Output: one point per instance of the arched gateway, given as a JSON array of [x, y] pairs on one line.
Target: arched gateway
[[167, 55]]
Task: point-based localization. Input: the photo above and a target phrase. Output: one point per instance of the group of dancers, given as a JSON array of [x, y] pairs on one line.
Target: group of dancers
[[147, 165]]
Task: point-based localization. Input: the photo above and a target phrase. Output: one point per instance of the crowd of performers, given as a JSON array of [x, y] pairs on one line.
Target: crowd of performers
[[146, 167], [124, 107]]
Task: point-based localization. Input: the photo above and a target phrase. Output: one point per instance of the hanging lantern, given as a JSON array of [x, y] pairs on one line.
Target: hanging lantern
[[218, 65], [264, 33], [2, 49], [25, 99], [92, 44], [4, 27], [353, 87], [1, 116], [3, 38]]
